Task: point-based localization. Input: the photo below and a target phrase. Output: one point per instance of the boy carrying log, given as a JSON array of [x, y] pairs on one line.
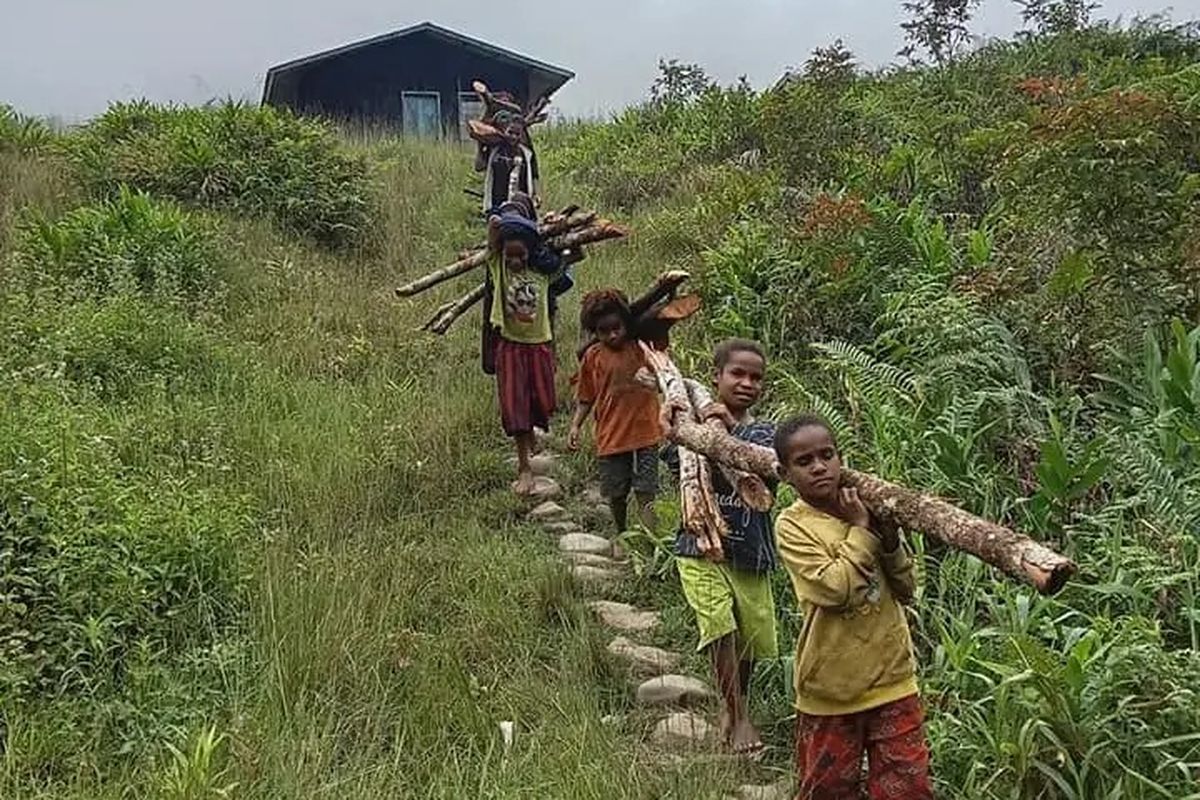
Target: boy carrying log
[[856, 688], [627, 411], [731, 598], [519, 313]]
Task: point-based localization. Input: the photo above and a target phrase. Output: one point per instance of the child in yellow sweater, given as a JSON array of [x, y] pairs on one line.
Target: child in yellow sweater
[[856, 688]]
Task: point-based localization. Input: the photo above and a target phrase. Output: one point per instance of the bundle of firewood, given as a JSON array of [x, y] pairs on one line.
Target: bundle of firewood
[[566, 232], [1015, 554], [487, 131]]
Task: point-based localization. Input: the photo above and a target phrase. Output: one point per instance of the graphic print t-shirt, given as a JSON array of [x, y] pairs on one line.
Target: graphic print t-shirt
[[520, 303]]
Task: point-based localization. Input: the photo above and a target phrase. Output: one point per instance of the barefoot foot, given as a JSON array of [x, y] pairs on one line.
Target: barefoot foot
[[524, 484], [745, 739]]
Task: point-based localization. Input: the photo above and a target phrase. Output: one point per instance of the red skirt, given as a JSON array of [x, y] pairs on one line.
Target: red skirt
[[525, 379], [829, 754]]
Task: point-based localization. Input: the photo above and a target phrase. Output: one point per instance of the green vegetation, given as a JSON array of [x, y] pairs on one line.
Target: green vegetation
[[251, 162], [256, 539], [984, 275]]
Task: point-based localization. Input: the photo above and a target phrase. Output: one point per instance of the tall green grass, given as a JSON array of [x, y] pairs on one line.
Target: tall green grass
[[388, 606]]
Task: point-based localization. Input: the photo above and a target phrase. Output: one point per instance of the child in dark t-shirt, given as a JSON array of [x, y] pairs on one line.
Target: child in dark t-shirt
[[732, 600]]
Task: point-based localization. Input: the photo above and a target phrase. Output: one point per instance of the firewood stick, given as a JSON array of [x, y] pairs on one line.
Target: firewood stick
[[460, 267], [437, 315], [1013, 553], [750, 488], [450, 312], [514, 176], [597, 231], [698, 504]]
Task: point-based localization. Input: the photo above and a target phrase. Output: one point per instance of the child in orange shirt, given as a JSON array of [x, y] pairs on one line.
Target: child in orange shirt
[[627, 428]]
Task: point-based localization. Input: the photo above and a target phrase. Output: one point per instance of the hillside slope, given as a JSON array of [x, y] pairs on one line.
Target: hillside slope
[[308, 575]]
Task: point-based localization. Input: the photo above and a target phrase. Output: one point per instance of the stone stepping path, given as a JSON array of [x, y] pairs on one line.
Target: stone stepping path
[[644, 660], [681, 736], [585, 543], [624, 617], [673, 690], [683, 730]]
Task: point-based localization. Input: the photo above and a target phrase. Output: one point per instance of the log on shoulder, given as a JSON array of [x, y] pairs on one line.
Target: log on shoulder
[[751, 489], [1013, 553]]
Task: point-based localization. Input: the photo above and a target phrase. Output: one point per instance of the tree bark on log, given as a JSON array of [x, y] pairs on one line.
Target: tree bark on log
[[751, 489], [460, 267], [701, 514], [450, 312], [1011, 552]]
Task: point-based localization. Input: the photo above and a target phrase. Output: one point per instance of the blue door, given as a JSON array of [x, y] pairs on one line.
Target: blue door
[[421, 114]]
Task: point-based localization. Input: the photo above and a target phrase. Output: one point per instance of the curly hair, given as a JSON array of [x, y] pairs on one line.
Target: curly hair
[[601, 303]]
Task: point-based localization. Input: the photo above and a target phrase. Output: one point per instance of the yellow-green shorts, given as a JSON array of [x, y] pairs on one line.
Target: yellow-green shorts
[[727, 600]]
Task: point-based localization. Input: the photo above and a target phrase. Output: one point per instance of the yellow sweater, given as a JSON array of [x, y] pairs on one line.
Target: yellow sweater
[[855, 651]]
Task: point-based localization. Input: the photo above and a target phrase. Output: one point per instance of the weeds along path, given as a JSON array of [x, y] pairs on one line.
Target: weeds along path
[[352, 600], [405, 607]]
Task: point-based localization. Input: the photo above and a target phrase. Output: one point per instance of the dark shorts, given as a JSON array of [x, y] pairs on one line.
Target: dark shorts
[[525, 380], [636, 470]]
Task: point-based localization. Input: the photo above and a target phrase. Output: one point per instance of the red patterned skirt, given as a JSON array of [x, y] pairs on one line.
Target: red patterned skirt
[[525, 379], [830, 749]]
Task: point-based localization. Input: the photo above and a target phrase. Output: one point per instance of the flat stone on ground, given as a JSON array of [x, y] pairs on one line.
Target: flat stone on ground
[[548, 511], [595, 576], [585, 543], [684, 729], [545, 489], [543, 463], [593, 560], [642, 659], [624, 617], [672, 690], [561, 527], [781, 790]]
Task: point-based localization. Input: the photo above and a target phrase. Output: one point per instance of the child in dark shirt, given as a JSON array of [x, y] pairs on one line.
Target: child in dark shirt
[[732, 600]]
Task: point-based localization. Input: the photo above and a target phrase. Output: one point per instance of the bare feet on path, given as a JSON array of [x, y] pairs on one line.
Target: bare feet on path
[[745, 740], [524, 484]]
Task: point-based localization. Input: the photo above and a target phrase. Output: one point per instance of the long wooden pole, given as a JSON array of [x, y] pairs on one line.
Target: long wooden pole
[[1013, 553], [595, 230]]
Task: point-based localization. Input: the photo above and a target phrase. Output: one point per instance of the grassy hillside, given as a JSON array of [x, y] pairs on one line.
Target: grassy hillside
[[256, 538], [983, 275], [257, 534]]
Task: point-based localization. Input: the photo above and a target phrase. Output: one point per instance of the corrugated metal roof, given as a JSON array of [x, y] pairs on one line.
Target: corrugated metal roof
[[560, 75]]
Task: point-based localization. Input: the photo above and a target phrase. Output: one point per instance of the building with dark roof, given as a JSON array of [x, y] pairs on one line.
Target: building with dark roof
[[417, 79]]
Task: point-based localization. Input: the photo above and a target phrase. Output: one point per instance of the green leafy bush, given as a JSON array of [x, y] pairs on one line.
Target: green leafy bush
[[251, 161], [129, 244], [101, 556], [22, 134]]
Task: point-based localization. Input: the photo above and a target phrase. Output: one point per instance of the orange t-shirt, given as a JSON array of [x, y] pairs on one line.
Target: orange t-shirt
[[626, 412]]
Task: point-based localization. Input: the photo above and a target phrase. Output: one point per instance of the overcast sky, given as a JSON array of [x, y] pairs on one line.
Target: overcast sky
[[71, 57]]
